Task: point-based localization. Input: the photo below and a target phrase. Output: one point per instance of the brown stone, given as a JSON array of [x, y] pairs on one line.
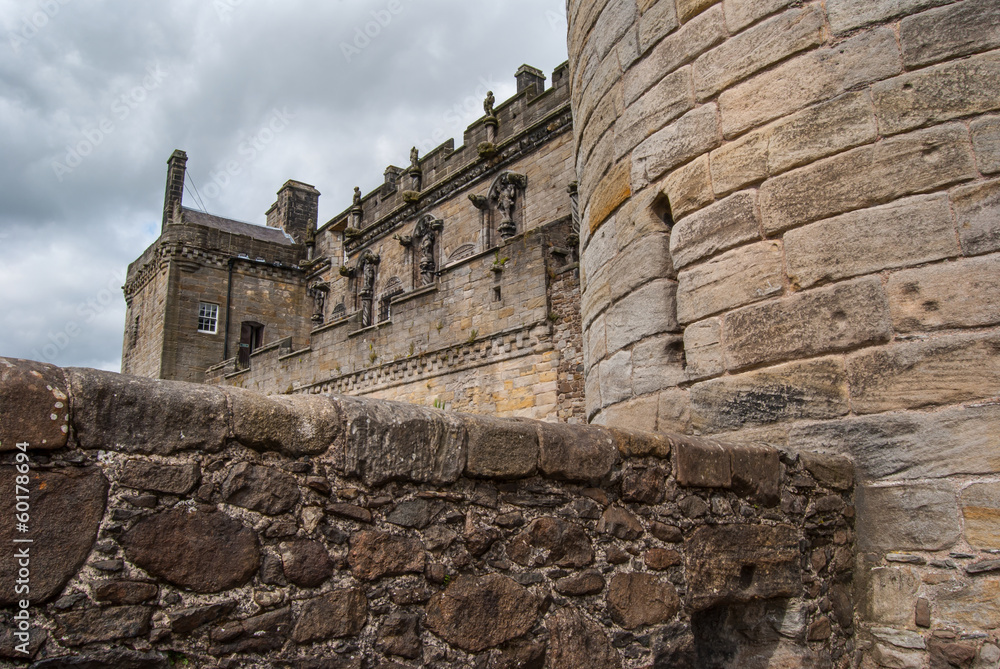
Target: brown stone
[[576, 453], [550, 541], [263, 489], [377, 554], [922, 613], [635, 600], [306, 563], [919, 516], [949, 32], [743, 275], [619, 523], [203, 551], [169, 479], [981, 508], [476, 613], [336, 614], [671, 534], [819, 630], [967, 604], [35, 401], [186, 621], [661, 558], [577, 641], [691, 135], [645, 486], [738, 563], [518, 654], [589, 582], [352, 511], [756, 473], [400, 635], [124, 592], [293, 425], [833, 471], [131, 414], [110, 623], [612, 190], [956, 294], [977, 213], [501, 448], [66, 508], [702, 463]]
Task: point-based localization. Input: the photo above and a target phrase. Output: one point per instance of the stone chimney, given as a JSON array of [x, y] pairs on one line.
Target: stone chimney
[[296, 209], [527, 75], [174, 194]]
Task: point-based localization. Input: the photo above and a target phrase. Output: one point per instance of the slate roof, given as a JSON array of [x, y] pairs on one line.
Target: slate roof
[[260, 232]]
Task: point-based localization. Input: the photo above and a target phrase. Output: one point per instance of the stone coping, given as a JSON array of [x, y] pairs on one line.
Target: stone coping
[[376, 441]]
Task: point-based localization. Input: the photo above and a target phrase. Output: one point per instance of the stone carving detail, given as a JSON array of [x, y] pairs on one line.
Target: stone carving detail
[[426, 231], [357, 212], [415, 173], [369, 264], [492, 122], [318, 293], [503, 195]]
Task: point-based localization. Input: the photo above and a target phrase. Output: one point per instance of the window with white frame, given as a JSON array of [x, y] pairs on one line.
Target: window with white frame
[[208, 318]]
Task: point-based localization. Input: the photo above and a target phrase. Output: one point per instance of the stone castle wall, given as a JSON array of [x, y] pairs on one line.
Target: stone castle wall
[[176, 524], [791, 226]]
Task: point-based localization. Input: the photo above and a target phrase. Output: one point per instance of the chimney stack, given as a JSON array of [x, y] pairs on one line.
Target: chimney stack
[[296, 210], [176, 167], [527, 76]]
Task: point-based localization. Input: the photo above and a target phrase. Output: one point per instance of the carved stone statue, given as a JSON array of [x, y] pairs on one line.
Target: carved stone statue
[[426, 230], [488, 104], [369, 262], [318, 293], [357, 196], [503, 195], [505, 202], [414, 159]]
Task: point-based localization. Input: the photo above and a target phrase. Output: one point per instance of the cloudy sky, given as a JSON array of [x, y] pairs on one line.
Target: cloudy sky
[[96, 94]]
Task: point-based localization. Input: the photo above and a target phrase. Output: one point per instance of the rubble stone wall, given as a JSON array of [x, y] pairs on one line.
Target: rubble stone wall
[[174, 524], [791, 234]]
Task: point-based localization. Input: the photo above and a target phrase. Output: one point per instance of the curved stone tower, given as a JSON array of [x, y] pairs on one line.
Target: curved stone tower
[[791, 218]]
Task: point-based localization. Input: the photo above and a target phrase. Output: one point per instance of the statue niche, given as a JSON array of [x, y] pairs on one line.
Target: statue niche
[[425, 235], [504, 195], [369, 264], [318, 292]]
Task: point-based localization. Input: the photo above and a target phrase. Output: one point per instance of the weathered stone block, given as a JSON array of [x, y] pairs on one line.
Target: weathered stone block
[[906, 232], [702, 463], [576, 453], [691, 135], [657, 363], [951, 31], [937, 94], [206, 552], [741, 13], [377, 554], [262, 489], [647, 311], [501, 448], [293, 425], [66, 509], [741, 276], [959, 294], [385, 441], [635, 600], [609, 194], [755, 48], [986, 142], [168, 479], [616, 378], [718, 227], [932, 372], [400, 635], [337, 614], [550, 541], [866, 176], [635, 444], [812, 77], [658, 20], [738, 563], [131, 414], [639, 263], [807, 324], [664, 102], [576, 641], [981, 508], [846, 15], [740, 162], [756, 473], [619, 523], [688, 9], [35, 401], [916, 516], [688, 188], [959, 440], [967, 604], [889, 595], [977, 209], [821, 130], [834, 471], [306, 563], [476, 613], [125, 592], [703, 350], [809, 389]]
